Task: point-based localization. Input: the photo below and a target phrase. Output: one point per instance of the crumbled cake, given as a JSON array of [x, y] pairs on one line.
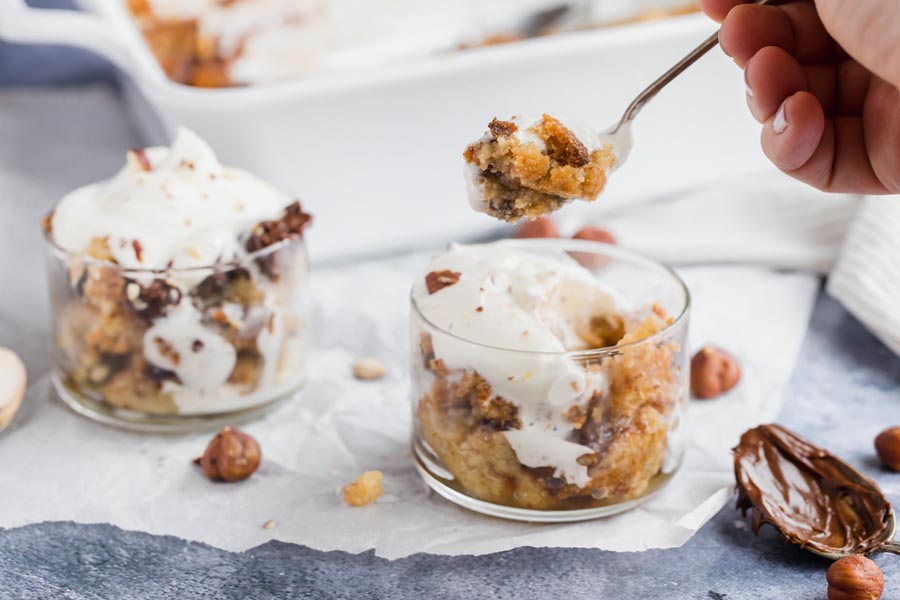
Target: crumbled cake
[[506, 408], [463, 422], [365, 490], [156, 311], [529, 169], [102, 331]]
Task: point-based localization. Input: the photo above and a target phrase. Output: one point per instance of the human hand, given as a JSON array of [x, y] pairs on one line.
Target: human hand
[[823, 78]]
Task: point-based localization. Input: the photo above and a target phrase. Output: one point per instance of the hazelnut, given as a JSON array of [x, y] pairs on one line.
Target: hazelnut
[[887, 444], [438, 280], [539, 228], [854, 578], [12, 385], [365, 490], [369, 368], [592, 234], [231, 456], [713, 372]]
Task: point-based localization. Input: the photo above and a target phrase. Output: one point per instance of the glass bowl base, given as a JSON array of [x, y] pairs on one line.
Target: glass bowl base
[[426, 466], [132, 420]]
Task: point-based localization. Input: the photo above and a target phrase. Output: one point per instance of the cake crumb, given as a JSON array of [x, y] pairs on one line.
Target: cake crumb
[[365, 490], [270, 524], [368, 368]]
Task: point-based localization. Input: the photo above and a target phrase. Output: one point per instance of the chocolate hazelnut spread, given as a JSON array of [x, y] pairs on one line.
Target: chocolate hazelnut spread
[[812, 497]]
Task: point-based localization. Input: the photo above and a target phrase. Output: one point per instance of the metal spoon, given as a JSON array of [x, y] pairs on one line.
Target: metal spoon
[[622, 129], [812, 497], [888, 543]]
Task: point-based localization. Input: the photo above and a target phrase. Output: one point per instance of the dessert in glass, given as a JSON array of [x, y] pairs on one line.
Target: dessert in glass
[[526, 168], [179, 292], [547, 384]]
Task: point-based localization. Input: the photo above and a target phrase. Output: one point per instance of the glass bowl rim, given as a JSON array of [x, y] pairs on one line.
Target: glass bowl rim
[[587, 247], [85, 259]]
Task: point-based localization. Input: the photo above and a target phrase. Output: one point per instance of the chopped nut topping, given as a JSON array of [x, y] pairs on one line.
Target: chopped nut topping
[[369, 368], [291, 224], [149, 302], [438, 280], [141, 157], [365, 490], [47, 222], [138, 250], [270, 524], [502, 128], [268, 233]]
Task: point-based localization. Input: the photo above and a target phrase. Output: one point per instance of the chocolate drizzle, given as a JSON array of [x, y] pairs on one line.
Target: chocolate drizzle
[[812, 497]]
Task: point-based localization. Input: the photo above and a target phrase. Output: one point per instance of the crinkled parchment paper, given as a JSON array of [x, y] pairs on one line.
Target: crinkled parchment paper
[[58, 466]]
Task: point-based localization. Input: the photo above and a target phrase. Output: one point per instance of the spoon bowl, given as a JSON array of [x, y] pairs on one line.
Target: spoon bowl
[[887, 542], [812, 497]]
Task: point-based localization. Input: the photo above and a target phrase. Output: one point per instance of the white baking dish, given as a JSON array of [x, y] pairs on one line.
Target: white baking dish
[[376, 156]]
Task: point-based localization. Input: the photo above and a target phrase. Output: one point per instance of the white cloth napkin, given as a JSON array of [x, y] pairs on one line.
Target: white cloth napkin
[[866, 278]]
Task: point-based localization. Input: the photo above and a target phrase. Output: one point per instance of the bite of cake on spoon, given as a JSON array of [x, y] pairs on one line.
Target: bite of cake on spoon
[[525, 167]]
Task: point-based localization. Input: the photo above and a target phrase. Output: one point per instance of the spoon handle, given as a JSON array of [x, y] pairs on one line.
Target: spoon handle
[[892, 547], [644, 97]]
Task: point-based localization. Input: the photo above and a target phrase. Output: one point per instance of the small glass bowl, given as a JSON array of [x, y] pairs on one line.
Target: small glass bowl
[[630, 421], [179, 349]]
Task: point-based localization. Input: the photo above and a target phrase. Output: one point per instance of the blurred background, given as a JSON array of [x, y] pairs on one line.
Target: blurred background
[[362, 108]]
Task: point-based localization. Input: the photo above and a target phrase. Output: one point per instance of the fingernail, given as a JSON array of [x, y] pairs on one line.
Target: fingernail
[[747, 84], [780, 122]]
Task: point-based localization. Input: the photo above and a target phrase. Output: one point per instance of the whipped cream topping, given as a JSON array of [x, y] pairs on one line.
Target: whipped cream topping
[[186, 211], [591, 139], [178, 342], [178, 208], [511, 313]]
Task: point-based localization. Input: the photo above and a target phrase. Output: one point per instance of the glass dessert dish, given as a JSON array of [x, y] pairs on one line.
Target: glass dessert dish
[[179, 293], [549, 378]]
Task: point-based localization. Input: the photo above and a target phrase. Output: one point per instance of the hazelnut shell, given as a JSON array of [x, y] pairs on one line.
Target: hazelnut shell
[[231, 456], [887, 445], [713, 372], [539, 228], [855, 578]]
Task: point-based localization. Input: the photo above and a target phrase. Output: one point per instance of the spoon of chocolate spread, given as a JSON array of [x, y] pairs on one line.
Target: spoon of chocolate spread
[[813, 498]]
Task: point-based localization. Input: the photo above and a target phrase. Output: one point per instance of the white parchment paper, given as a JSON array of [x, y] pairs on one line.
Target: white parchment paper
[[59, 466]]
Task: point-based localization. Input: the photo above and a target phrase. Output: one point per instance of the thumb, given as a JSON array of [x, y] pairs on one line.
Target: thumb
[[868, 30]]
